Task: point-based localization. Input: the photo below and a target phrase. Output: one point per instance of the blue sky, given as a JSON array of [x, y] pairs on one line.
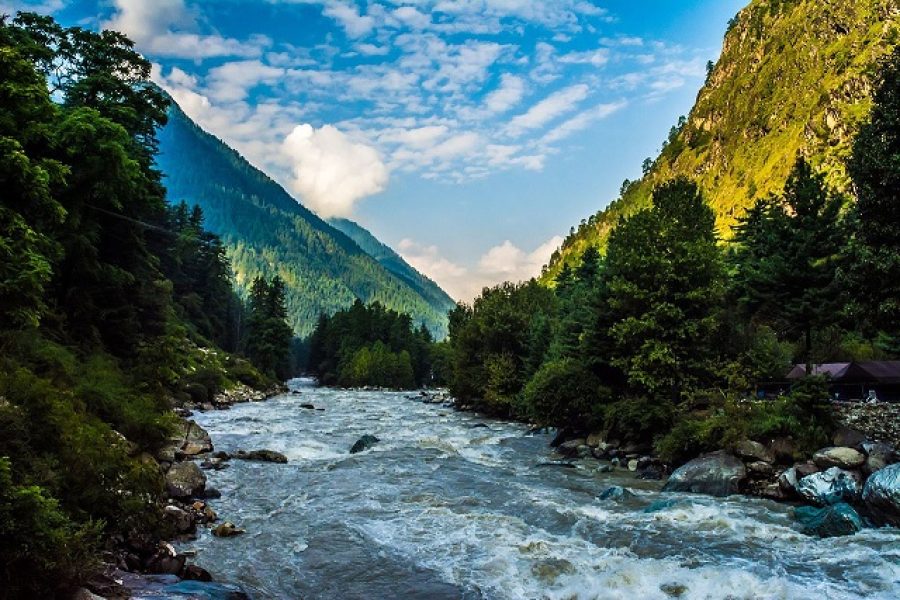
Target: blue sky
[[467, 134]]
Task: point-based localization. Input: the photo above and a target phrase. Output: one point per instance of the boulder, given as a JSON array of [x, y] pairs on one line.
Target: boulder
[[195, 573], [783, 449], [262, 456], [595, 439], [716, 474], [846, 437], [830, 521], [307, 406], [841, 457], [227, 529], [829, 487], [788, 481], [881, 495], [761, 469], [751, 451], [633, 465], [878, 456], [181, 520], [364, 443], [572, 448], [166, 561], [616, 493], [652, 472], [184, 480]]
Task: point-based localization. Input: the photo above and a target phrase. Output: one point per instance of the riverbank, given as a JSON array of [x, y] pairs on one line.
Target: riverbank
[[148, 566]]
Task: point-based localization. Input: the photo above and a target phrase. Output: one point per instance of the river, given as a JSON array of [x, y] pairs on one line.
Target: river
[[452, 505]]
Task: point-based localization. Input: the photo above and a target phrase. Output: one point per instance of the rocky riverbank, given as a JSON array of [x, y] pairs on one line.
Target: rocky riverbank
[[838, 490], [148, 566]]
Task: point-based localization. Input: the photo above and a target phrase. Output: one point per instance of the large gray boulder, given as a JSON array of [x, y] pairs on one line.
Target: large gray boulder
[[184, 480], [261, 456], [829, 487], [188, 439], [752, 451], [364, 443], [830, 521], [878, 456], [716, 474], [882, 495], [841, 457]]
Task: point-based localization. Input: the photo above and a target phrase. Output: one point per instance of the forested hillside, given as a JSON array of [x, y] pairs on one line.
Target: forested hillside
[[795, 77], [267, 232], [395, 264]]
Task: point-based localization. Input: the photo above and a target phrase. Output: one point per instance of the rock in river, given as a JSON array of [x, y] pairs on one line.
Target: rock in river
[[184, 480], [882, 495], [830, 521], [262, 456], [829, 487], [364, 443], [839, 456], [716, 474], [227, 529], [753, 452]]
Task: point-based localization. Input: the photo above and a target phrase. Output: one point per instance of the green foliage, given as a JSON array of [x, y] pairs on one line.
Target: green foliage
[[371, 345], [874, 271], [564, 393], [43, 552], [268, 338]]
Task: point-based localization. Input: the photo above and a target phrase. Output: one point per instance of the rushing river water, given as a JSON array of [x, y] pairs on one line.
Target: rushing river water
[[450, 505]]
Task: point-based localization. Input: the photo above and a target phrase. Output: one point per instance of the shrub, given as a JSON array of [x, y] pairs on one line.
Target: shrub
[[562, 393], [639, 418]]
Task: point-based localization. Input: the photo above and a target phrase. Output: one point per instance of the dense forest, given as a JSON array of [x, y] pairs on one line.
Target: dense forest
[[659, 340], [748, 124], [374, 346], [268, 233], [113, 304]]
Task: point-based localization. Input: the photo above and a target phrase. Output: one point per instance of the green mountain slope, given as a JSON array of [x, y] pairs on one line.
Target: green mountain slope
[[794, 77], [394, 263], [267, 232]]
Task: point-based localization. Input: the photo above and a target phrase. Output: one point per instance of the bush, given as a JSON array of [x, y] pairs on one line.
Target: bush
[[562, 393], [639, 418], [42, 551]]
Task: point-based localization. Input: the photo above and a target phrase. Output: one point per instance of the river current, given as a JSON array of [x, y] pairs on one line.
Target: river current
[[452, 505]]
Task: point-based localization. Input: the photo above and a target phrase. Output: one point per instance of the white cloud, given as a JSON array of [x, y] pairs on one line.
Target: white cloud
[[507, 95], [546, 110], [504, 262], [168, 28], [233, 80], [331, 172], [44, 7], [356, 25], [581, 121]]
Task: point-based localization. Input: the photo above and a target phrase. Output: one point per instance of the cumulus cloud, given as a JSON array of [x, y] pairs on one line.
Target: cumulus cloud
[[507, 95], [581, 121], [356, 25], [331, 172], [504, 262], [549, 108]]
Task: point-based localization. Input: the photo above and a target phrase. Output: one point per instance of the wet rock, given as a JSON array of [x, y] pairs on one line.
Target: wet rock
[[673, 590], [716, 474], [830, 521], [561, 436], [788, 481], [195, 573], [772, 491], [307, 406], [573, 448], [188, 440], [221, 455], [616, 493], [181, 520], [878, 456], [262, 456], [184, 480], [557, 463], [166, 561], [364, 443], [846, 437], [604, 469], [752, 451], [840, 457], [227, 529], [633, 465], [881, 495], [829, 487], [210, 494], [85, 594]]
